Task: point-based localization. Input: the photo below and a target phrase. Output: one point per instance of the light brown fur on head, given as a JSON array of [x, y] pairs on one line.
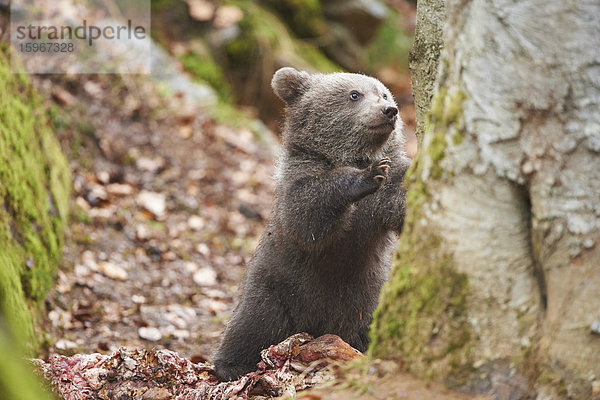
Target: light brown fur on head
[[323, 116]]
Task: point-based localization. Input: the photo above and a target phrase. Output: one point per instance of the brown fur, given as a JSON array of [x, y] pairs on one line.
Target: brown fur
[[338, 208]]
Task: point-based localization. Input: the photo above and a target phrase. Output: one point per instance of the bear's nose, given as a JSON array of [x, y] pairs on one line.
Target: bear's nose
[[390, 111]]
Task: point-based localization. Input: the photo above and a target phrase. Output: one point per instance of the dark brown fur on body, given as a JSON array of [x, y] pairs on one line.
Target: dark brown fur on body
[[338, 208]]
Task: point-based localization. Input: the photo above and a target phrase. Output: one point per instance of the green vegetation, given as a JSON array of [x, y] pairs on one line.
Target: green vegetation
[[34, 193], [16, 380], [207, 71], [390, 46], [420, 319], [264, 35], [443, 126], [305, 17]]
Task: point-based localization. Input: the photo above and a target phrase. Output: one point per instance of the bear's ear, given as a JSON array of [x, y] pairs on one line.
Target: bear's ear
[[289, 84]]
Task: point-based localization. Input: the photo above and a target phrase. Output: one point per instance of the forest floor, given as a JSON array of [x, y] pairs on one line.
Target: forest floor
[[167, 208]]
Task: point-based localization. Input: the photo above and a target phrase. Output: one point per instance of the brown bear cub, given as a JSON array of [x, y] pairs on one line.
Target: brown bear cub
[[338, 208]]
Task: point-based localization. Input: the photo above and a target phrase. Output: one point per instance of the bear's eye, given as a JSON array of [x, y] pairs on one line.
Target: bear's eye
[[354, 95], [385, 96]]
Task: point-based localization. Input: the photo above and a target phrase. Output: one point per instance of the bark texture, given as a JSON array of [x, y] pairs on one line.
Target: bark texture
[[425, 54], [504, 205]]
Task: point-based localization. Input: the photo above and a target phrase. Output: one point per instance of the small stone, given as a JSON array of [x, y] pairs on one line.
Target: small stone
[[185, 131], [96, 195], [137, 299], [103, 177], [227, 16], [201, 10], [81, 202], [63, 97], [150, 164], [149, 333], [205, 276], [203, 249], [190, 266], [596, 327], [81, 271], [112, 271], [196, 223], [181, 334], [93, 89], [121, 189], [153, 202], [141, 232], [64, 344]]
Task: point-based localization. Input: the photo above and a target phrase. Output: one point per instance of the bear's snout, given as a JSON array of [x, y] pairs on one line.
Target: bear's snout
[[390, 111]]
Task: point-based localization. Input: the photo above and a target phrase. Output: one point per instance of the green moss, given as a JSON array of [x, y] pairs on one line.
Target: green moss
[[206, 70], [264, 36], [436, 150], [227, 114], [17, 382], [390, 46], [259, 31], [443, 126], [554, 380], [34, 193], [421, 316], [158, 5], [316, 58], [305, 17]]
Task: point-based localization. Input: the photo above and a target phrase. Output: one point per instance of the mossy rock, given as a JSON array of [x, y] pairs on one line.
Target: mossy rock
[[34, 192], [265, 38], [305, 17]]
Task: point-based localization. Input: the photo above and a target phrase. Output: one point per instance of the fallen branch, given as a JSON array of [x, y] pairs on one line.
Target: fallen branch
[[297, 363]]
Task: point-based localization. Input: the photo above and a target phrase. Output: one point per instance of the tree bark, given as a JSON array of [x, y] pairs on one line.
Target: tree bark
[[496, 286]]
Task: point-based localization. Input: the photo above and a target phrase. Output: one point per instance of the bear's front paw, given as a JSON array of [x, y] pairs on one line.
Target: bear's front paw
[[379, 170]]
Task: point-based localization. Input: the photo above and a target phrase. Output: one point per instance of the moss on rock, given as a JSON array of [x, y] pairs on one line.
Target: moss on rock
[[305, 17], [206, 70], [34, 192], [265, 38]]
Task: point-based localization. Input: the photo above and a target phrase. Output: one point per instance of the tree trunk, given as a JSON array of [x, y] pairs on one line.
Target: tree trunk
[[496, 285]]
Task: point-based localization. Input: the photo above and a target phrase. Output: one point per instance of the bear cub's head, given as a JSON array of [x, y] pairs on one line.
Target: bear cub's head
[[345, 117]]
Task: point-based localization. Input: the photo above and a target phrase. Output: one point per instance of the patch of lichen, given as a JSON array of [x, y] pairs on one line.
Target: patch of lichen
[[34, 192], [443, 126], [305, 17]]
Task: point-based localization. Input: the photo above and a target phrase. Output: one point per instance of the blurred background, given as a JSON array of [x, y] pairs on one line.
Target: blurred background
[[236, 46]]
